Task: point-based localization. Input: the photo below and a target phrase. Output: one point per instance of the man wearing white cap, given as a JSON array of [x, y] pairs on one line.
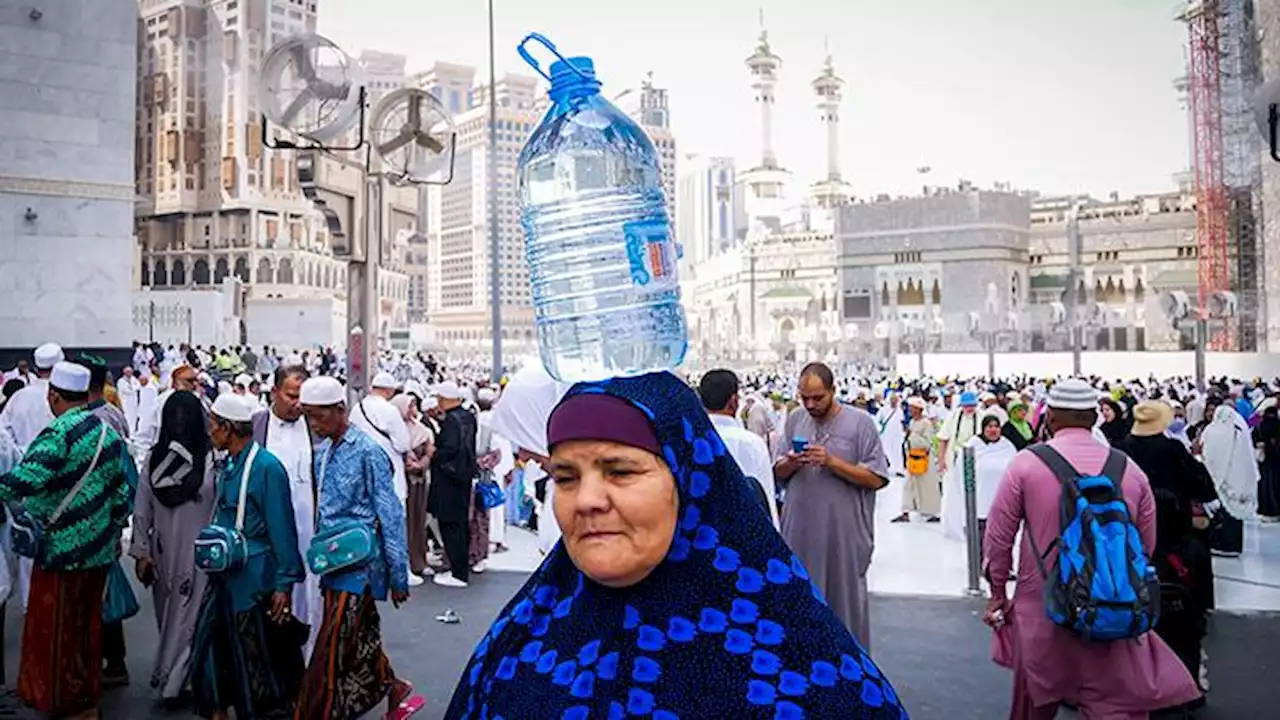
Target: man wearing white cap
[[245, 627], [1052, 666], [27, 412], [453, 469], [382, 422], [344, 678], [73, 479]]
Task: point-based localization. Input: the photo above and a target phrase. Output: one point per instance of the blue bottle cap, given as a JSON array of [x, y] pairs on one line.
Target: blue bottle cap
[[577, 72]]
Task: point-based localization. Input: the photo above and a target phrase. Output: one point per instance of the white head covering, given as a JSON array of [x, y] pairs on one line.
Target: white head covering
[[234, 408], [48, 355], [384, 381], [224, 388], [322, 391], [70, 377], [449, 390], [521, 414], [413, 387], [1229, 456], [488, 395], [1073, 394], [243, 380]]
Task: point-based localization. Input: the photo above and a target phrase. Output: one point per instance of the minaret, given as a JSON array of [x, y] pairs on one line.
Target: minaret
[[832, 190], [764, 66], [765, 184]]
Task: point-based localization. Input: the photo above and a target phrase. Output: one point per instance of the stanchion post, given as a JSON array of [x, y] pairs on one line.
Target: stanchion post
[[972, 540]]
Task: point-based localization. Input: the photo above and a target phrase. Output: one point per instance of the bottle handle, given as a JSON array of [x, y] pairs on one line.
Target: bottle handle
[[542, 39]]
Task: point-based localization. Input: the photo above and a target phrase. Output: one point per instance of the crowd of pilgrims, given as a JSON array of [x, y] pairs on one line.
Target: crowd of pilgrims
[[686, 524]]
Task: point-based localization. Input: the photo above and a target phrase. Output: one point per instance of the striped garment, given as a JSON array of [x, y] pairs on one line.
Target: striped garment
[[87, 535]]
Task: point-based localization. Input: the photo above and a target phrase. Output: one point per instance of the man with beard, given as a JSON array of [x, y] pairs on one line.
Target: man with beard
[[832, 456]]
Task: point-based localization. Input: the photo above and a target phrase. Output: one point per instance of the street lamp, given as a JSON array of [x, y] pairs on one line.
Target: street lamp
[[1218, 310], [992, 337]]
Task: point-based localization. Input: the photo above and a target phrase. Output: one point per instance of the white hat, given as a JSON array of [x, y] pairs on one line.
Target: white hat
[[384, 381], [917, 401], [69, 376], [224, 388], [488, 395], [986, 396], [322, 391], [430, 403], [1073, 394], [234, 408], [48, 355], [449, 390], [243, 380], [414, 388]]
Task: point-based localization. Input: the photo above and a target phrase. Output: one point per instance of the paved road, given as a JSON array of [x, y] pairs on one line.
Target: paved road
[[935, 650]]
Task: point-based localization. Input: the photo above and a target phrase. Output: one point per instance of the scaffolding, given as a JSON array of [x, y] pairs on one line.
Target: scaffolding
[[1242, 168], [1223, 75]]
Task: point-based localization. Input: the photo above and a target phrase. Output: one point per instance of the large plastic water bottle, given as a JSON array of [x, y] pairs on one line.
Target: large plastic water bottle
[[602, 256]]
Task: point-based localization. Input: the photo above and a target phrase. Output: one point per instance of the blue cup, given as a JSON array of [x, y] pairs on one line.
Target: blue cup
[[799, 444]]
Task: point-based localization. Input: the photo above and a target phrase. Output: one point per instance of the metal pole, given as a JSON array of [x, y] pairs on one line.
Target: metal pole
[[991, 356], [1075, 248], [190, 328], [972, 538], [751, 282], [920, 343], [1202, 337], [151, 321], [495, 297]]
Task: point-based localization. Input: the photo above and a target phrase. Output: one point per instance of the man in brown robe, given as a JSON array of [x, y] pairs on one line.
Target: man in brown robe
[[829, 516]]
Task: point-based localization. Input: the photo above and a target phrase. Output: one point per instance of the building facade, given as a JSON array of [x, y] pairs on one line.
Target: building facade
[[709, 211], [1133, 251], [912, 269], [215, 200], [66, 173]]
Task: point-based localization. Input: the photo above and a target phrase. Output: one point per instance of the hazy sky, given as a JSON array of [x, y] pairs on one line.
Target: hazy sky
[[1052, 95]]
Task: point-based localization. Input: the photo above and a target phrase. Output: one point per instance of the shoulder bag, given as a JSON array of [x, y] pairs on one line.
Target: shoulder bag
[[222, 549], [346, 544], [28, 533]]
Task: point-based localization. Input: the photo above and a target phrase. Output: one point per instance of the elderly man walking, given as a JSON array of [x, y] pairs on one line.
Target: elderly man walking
[[1117, 680]]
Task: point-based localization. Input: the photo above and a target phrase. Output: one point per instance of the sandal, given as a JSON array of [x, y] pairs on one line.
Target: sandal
[[407, 707]]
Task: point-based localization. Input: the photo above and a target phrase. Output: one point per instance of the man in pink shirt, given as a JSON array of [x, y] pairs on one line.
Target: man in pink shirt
[[1119, 680]]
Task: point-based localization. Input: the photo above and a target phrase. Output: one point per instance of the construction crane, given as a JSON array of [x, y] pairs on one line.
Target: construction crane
[[1213, 210]]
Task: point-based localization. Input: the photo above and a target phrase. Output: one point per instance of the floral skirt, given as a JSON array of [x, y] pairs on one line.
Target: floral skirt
[[244, 660], [349, 673]]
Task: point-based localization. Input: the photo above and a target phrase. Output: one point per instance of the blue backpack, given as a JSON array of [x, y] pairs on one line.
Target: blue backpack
[[1102, 587]]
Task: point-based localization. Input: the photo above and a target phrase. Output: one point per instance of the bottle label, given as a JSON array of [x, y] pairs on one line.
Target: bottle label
[[651, 252]]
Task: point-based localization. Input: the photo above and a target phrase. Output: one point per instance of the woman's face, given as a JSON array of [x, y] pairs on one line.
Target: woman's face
[[617, 508], [1108, 413], [1018, 412], [991, 431]]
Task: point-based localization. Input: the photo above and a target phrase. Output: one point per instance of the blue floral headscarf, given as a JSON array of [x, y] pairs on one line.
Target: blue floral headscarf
[[728, 625]]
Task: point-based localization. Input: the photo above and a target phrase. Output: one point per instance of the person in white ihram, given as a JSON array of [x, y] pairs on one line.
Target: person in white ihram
[[284, 431], [719, 390], [23, 418], [129, 389], [379, 419]]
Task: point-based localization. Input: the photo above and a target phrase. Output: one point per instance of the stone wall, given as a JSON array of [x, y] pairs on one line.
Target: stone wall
[[67, 83]]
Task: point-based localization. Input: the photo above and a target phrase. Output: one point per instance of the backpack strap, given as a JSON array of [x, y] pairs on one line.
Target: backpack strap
[[1113, 469], [1061, 468], [1067, 475]]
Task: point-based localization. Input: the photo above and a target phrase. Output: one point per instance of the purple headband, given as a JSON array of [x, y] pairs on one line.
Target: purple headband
[[601, 417]]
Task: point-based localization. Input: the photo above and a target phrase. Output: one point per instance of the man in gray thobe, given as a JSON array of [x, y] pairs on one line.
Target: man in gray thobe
[[829, 515]]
